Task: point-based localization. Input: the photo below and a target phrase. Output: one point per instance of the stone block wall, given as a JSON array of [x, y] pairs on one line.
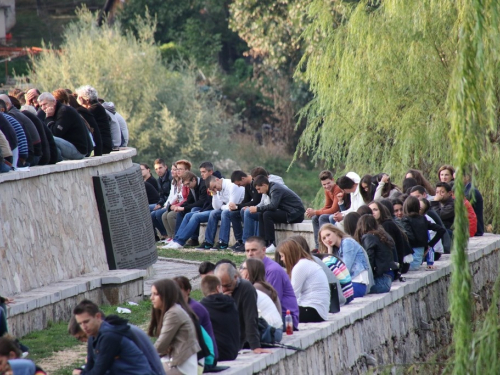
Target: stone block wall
[[409, 324], [50, 228]]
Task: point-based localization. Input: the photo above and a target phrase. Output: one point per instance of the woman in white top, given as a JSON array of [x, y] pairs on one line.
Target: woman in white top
[[309, 282]]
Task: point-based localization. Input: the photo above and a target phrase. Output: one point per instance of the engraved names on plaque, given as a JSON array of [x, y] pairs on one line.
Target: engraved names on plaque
[[125, 218]]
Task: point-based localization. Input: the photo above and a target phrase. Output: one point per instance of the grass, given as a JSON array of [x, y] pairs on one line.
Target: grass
[[55, 337], [199, 255]]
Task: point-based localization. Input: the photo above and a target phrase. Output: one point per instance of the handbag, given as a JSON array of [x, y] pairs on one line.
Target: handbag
[[334, 299]]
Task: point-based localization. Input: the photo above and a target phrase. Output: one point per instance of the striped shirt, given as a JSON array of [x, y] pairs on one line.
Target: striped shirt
[[22, 142], [341, 272]]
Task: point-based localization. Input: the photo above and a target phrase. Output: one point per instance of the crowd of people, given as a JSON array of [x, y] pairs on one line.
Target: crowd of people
[[44, 128], [368, 234]]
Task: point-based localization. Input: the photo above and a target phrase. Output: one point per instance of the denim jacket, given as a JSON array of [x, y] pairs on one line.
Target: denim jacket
[[355, 258]]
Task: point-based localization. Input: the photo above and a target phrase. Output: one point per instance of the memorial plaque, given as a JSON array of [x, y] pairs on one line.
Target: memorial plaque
[[125, 218]]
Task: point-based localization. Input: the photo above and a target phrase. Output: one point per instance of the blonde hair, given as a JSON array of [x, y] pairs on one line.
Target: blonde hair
[[332, 228]]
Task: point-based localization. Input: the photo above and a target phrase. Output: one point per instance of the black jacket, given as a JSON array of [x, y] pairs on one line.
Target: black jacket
[[282, 198], [403, 247], [164, 183], [29, 129], [417, 227], [45, 145], [225, 324], [68, 125], [446, 211], [96, 133], [101, 118], [245, 297], [196, 197], [446, 240], [251, 198], [379, 254], [151, 192]]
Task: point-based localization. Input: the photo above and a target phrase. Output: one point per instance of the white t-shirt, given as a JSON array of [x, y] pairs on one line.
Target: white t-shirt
[[267, 310], [311, 287]]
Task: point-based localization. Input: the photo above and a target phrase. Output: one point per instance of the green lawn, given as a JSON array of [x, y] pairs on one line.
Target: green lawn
[[200, 255], [55, 337]]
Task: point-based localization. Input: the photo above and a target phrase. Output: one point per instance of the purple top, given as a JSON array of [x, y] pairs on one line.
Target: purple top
[[278, 278], [205, 322]]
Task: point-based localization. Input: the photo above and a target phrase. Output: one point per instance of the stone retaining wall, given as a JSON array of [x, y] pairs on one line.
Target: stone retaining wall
[[50, 228], [407, 325]]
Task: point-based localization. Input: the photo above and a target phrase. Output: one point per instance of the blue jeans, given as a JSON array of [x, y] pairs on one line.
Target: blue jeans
[[4, 168], [190, 224], [157, 223], [382, 284], [359, 289], [250, 224], [213, 222], [151, 207], [418, 257], [318, 221], [235, 218], [67, 149]]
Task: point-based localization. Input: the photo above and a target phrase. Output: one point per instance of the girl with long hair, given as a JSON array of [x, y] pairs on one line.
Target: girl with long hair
[[385, 188], [309, 282], [367, 188], [173, 323], [384, 218], [378, 245], [417, 229], [421, 180], [335, 242], [268, 302]]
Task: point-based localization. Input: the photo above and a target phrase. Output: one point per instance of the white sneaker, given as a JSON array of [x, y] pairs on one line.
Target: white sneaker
[[271, 249], [172, 245]]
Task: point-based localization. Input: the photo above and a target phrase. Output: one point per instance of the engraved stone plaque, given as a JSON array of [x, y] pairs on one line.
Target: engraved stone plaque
[[125, 218]]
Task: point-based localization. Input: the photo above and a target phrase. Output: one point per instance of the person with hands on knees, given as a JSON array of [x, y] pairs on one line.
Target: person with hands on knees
[[245, 296]]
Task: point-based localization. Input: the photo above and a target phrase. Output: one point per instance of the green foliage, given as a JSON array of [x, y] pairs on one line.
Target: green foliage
[[413, 84], [200, 27], [380, 78], [167, 113], [473, 107]]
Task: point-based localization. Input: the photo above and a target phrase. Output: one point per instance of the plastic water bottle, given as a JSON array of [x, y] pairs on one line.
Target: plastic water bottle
[[289, 323]]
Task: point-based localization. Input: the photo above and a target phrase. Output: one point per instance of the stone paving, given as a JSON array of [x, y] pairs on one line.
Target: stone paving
[[169, 268]]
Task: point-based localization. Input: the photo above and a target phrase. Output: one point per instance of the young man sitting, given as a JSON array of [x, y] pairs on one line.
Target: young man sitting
[[331, 202], [240, 212], [444, 205], [224, 192], [285, 207]]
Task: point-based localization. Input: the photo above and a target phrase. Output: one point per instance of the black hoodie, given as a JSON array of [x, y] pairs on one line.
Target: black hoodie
[[225, 323]]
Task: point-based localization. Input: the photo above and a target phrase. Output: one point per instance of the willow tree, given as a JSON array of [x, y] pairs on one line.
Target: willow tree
[[400, 84]]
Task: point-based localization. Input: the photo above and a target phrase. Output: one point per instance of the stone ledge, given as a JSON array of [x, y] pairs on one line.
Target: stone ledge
[[68, 165], [55, 301], [358, 310]]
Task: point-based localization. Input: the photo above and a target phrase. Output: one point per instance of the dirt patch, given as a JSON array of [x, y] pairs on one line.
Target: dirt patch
[[64, 358]]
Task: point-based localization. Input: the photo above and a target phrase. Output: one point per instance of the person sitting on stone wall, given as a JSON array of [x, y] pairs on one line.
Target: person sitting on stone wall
[[23, 137], [224, 192], [444, 205], [68, 128], [237, 212], [245, 296], [179, 194], [255, 247], [331, 206], [285, 207], [223, 316], [28, 126], [187, 233]]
